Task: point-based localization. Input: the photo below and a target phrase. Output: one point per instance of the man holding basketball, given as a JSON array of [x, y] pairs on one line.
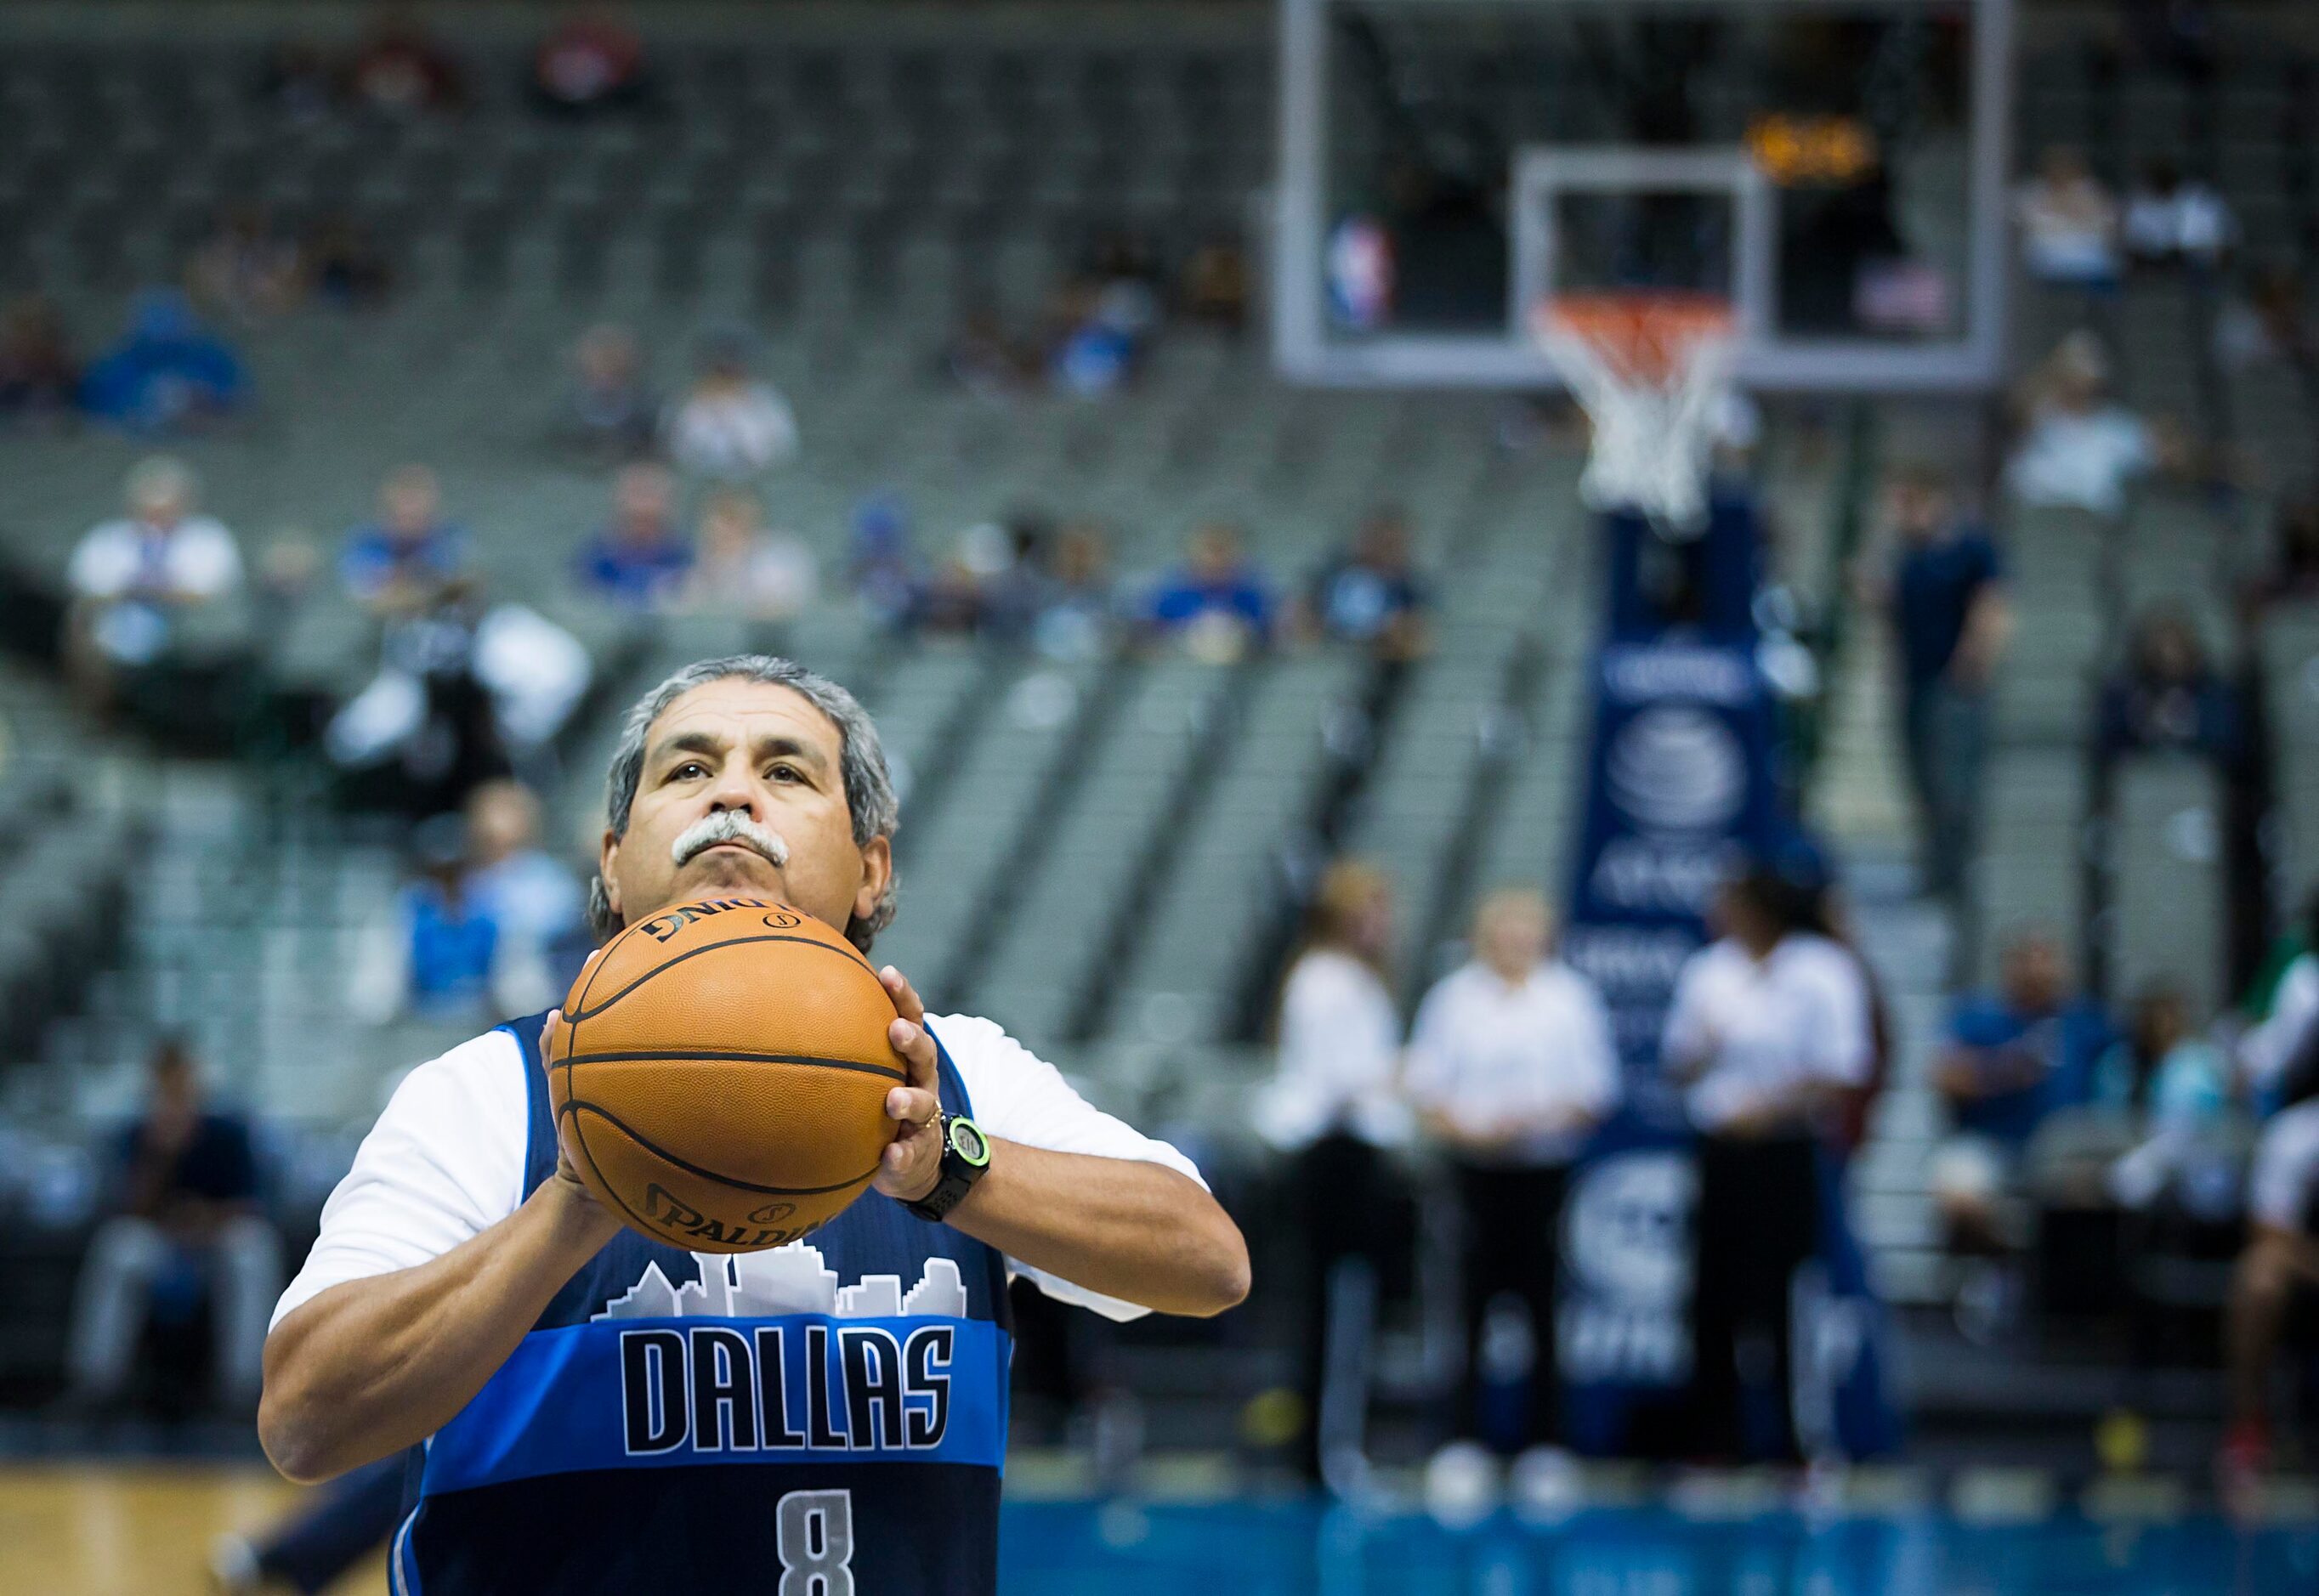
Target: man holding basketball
[[603, 1413]]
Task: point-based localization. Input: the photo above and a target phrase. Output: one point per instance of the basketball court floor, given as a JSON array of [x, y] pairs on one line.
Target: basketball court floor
[[142, 1529]]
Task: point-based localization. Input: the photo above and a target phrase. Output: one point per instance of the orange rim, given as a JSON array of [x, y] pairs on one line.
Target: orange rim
[[1645, 335]]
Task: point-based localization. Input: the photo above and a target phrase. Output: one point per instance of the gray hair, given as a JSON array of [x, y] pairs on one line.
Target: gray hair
[[860, 765]]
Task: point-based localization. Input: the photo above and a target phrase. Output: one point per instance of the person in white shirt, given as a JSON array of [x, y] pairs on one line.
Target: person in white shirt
[[1334, 1102], [732, 425], [2170, 220], [2078, 449], [2069, 223], [137, 578], [449, 1247], [1511, 1064], [1770, 1025]]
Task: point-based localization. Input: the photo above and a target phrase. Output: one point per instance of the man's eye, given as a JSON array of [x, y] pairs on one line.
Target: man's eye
[[689, 769], [783, 774]]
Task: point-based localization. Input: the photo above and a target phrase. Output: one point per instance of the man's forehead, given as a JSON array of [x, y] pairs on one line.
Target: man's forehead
[[738, 710]]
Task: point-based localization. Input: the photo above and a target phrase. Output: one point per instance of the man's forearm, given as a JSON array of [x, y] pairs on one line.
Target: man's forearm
[[374, 1366], [1139, 1231]]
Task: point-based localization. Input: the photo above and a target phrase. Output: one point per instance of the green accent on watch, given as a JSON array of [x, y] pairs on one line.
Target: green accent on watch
[[965, 1156]]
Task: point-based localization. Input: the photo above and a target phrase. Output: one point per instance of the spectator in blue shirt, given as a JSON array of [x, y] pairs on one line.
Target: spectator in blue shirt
[[639, 561], [167, 374], [1949, 613], [2013, 1056], [1217, 606], [409, 550]]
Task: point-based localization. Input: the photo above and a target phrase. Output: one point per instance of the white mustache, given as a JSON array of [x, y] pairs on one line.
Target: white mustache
[[727, 825]]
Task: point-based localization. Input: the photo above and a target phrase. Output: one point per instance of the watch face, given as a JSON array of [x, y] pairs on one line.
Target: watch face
[[967, 1141]]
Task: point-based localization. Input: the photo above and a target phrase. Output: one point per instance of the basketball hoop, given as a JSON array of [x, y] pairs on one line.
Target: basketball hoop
[[1650, 368]]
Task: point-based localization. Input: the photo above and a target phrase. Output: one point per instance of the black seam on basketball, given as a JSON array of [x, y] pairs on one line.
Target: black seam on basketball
[[810, 941], [628, 1131], [724, 1056], [579, 1133]]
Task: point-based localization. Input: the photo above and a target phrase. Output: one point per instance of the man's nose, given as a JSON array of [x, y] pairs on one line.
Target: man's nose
[[734, 789]]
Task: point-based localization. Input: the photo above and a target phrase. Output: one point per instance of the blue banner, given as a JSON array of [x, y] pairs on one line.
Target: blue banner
[[669, 1392], [1681, 784]]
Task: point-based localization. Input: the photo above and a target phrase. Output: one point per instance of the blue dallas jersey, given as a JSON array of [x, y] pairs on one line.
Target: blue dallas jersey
[[825, 1418]]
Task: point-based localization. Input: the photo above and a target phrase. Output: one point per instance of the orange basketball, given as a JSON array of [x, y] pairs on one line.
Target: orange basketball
[[720, 1075]]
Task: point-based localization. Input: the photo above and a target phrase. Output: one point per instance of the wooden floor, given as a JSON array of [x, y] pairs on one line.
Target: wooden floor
[[135, 1529]]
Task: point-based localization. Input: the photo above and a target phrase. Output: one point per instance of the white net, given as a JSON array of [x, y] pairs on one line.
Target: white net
[[1654, 406]]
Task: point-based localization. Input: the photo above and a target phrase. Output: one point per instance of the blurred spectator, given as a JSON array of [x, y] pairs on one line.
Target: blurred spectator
[[731, 425], [2069, 223], [2171, 220], [532, 898], [1511, 1064], [139, 581], [245, 269], [1771, 1026], [2167, 695], [1213, 290], [167, 373], [613, 413], [1101, 317], [2266, 324], [398, 70], [402, 558], [297, 80], [1333, 1103], [39, 375], [2160, 1071], [189, 1221], [590, 62], [2012, 1057], [1946, 599], [2078, 449], [951, 600], [464, 688], [1370, 594], [434, 951], [880, 566], [1011, 560], [2270, 1046], [640, 560], [345, 263], [2291, 572], [1077, 613], [741, 567], [984, 361], [2279, 1266], [1216, 606]]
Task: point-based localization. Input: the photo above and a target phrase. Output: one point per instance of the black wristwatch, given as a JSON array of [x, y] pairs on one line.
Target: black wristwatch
[[966, 1154]]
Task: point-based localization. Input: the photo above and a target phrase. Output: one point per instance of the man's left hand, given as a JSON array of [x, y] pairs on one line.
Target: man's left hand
[[913, 1160]]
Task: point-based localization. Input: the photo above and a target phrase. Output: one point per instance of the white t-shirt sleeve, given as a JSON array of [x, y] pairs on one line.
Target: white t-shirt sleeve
[[101, 566], [1687, 1038], [444, 1162], [1593, 1052], [1843, 1043], [1019, 1097], [207, 562], [2285, 1165], [1425, 1072]]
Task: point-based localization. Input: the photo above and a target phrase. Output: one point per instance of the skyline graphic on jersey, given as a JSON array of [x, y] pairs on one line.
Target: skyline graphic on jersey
[[786, 1280]]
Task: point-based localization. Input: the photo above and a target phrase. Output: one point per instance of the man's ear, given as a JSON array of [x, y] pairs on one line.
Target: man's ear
[[607, 856], [877, 871]]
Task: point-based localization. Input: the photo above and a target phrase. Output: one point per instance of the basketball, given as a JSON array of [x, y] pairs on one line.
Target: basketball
[[720, 1075]]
